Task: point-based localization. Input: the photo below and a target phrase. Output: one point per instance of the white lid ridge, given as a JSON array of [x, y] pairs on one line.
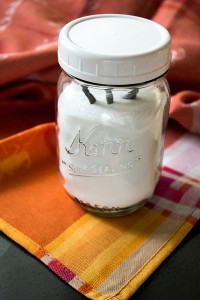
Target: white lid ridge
[[114, 49]]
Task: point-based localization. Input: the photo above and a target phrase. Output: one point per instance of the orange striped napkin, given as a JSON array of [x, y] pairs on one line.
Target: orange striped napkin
[[99, 257]]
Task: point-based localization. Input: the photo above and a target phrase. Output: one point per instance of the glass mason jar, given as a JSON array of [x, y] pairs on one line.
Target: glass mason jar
[[112, 111]]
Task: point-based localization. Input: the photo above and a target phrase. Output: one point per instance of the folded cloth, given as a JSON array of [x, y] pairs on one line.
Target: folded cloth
[[28, 55], [101, 258], [185, 109]]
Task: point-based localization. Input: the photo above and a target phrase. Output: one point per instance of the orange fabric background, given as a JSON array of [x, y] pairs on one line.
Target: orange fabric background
[[28, 55], [32, 164]]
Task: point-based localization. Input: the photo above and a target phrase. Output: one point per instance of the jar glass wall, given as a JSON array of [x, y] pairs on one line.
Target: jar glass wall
[[110, 142]]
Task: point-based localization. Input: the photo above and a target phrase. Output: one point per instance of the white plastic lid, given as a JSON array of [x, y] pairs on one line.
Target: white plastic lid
[[114, 49]]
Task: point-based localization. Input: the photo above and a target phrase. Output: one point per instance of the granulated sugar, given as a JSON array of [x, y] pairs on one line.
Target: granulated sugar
[[109, 154]]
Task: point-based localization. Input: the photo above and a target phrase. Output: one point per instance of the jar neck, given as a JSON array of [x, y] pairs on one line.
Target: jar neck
[[138, 85]]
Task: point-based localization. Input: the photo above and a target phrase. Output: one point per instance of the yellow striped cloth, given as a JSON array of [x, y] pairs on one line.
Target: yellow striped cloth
[[101, 258]]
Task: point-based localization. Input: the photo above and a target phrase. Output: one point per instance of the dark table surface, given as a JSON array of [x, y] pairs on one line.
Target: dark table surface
[[23, 277]]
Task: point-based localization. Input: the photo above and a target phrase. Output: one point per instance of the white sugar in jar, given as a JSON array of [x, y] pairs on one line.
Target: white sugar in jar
[[113, 103]]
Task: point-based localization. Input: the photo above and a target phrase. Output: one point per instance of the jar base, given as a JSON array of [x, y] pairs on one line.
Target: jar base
[[110, 212]]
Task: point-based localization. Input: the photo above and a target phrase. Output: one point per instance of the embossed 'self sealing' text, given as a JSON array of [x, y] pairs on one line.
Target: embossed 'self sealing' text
[[101, 170]]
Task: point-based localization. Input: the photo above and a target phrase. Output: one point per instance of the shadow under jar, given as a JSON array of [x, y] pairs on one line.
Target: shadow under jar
[[112, 111]]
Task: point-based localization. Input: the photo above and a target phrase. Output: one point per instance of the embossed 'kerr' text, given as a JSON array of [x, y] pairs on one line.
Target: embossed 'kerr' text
[[104, 146]]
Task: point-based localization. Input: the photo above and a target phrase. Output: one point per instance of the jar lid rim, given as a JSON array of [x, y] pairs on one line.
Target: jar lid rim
[[114, 49]]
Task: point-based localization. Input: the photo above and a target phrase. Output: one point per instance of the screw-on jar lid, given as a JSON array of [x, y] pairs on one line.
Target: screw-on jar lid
[[114, 49]]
